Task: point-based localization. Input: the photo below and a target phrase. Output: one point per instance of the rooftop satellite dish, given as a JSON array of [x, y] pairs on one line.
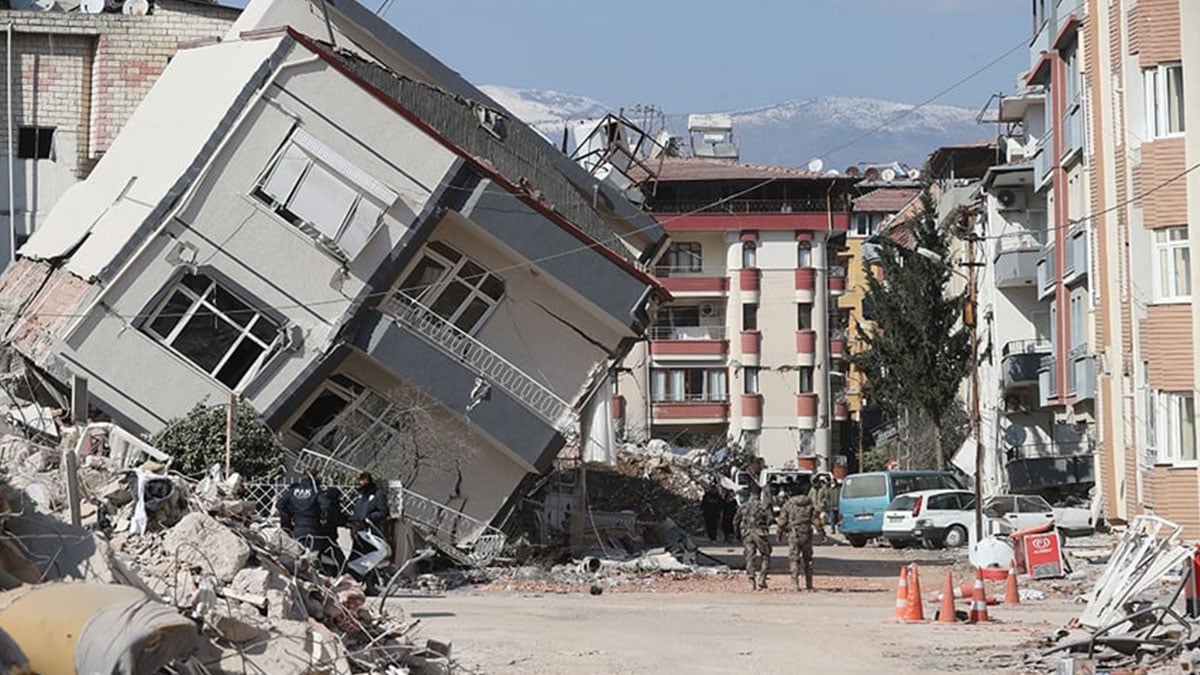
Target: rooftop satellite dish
[[852, 171], [831, 172], [136, 7], [92, 6], [871, 174], [815, 165], [914, 173], [888, 175]]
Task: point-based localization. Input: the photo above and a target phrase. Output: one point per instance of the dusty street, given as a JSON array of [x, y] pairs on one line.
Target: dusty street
[[723, 628]]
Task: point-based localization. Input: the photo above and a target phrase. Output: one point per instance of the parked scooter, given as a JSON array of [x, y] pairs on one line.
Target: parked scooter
[[370, 568]]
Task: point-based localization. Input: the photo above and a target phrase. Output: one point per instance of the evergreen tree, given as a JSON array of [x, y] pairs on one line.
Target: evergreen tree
[[915, 351]]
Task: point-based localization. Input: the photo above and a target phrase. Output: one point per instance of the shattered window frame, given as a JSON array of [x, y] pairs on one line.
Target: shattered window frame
[[479, 283], [385, 421], [208, 299]]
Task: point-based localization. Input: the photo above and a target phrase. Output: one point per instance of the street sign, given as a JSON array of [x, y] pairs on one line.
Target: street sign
[[1043, 557]]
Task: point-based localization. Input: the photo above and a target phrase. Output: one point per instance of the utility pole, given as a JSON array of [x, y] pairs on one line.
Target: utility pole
[[971, 319]]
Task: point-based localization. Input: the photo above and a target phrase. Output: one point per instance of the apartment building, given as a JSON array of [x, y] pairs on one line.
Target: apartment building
[[351, 239], [751, 349], [76, 78]]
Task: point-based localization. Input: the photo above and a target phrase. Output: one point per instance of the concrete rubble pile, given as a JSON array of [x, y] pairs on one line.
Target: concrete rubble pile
[[655, 482], [195, 549]]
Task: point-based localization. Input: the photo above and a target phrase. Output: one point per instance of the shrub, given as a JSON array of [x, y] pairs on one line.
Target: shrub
[[197, 441]]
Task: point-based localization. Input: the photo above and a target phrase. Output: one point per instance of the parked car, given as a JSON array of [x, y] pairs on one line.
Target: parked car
[[865, 497], [929, 516], [949, 527]]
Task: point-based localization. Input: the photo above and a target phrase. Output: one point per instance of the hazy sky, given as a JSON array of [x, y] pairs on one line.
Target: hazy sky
[[697, 55]]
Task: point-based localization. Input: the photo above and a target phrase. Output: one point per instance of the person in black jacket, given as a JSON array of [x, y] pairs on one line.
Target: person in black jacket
[[311, 514], [370, 512]]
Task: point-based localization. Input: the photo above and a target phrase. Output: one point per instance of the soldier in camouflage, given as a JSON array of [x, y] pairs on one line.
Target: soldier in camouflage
[[752, 524], [796, 522]]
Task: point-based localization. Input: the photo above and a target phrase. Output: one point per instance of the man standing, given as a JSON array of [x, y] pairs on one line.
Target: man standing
[[831, 509], [710, 509], [752, 524], [818, 497], [728, 511], [371, 512], [796, 522]]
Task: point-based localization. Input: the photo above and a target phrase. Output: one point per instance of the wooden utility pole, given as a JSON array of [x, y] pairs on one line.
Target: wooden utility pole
[[972, 321], [230, 415]]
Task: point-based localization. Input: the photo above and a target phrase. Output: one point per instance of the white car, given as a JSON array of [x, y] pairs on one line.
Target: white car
[[935, 517]]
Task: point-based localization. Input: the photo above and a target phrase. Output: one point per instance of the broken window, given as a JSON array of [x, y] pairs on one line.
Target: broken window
[[681, 258], [453, 286], [348, 420], [216, 330], [35, 143], [325, 195]]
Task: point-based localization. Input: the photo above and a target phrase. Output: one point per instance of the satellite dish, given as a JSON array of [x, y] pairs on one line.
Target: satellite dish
[[831, 172], [852, 171], [871, 174], [914, 173], [92, 6], [135, 7], [815, 165], [1015, 435], [888, 175]]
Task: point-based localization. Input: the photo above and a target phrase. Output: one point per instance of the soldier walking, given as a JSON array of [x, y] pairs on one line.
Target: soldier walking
[[819, 497], [796, 522], [752, 524]]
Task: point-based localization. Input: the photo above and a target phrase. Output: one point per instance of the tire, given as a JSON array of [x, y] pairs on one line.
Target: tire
[[857, 540], [931, 543], [898, 544], [956, 536]]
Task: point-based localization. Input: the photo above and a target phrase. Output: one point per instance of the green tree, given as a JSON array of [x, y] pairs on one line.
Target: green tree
[[197, 441], [916, 352]]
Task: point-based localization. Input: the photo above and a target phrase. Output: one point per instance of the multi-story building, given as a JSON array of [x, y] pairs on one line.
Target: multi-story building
[[76, 78], [750, 349]]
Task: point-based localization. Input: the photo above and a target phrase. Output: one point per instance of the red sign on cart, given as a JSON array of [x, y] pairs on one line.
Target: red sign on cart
[[1043, 558]]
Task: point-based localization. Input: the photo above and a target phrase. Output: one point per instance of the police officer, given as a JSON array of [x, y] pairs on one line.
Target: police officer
[[796, 522], [752, 524], [371, 511], [309, 514]]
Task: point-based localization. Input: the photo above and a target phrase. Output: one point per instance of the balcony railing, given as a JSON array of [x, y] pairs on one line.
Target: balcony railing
[[784, 206], [1048, 380], [712, 397], [1021, 361], [1016, 257], [690, 271], [687, 332], [1072, 129], [482, 360], [1047, 276], [1043, 161]]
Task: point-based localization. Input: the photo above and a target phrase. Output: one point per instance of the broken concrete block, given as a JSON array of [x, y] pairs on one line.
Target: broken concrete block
[[252, 580], [236, 629], [199, 540]]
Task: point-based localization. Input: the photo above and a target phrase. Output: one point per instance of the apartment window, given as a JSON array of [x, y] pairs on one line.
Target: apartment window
[[750, 380], [680, 257], [749, 254], [1176, 427], [803, 254], [688, 384], [35, 143], [806, 379], [865, 224], [349, 419], [1164, 100], [804, 317], [453, 286], [214, 329], [1173, 279], [324, 195], [1078, 332], [1151, 412], [750, 316]]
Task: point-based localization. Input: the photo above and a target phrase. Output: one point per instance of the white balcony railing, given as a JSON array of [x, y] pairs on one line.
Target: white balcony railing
[[480, 359], [687, 333], [1043, 160], [690, 271]]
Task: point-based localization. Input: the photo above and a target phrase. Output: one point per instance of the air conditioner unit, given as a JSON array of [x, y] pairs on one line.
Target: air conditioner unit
[[707, 309], [1010, 200]]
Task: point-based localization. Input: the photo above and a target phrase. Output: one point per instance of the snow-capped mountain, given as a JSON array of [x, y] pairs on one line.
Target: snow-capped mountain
[[789, 133]]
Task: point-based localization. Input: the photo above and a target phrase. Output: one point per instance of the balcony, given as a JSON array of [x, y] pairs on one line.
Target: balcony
[[1032, 473], [690, 410], [1072, 131], [751, 342], [806, 347], [841, 410], [806, 411], [837, 280], [806, 284], [1043, 161], [480, 359], [1047, 278], [693, 281], [748, 279], [1048, 381], [1075, 267], [691, 341], [837, 345], [1081, 375], [1020, 361], [752, 405], [1016, 259]]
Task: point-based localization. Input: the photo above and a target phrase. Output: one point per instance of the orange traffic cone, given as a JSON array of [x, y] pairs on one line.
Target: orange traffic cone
[[902, 596], [916, 606], [1011, 595], [979, 612], [946, 613]]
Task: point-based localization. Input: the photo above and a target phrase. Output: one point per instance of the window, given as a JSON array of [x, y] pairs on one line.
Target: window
[[804, 254], [214, 329], [1173, 279], [750, 380], [1151, 412], [35, 143], [804, 319], [750, 316], [688, 384], [1176, 427], [453, 286], [324, 195], [681, 257], [865, 224], [1078, 332], [1164, 100], [806, 379], [749, 254], [352, 421], [865, 485]]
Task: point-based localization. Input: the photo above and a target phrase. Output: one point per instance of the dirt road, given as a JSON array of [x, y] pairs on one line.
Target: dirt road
[[844, 629]]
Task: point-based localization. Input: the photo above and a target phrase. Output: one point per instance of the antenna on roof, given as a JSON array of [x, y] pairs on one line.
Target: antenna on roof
[[815, 165], [888, 174]]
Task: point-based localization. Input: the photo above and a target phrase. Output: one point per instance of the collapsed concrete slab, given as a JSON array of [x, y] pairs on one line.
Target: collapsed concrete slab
[[199, 540]]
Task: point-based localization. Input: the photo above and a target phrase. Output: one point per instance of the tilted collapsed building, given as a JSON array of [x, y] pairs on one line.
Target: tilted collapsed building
[[345, 236]]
